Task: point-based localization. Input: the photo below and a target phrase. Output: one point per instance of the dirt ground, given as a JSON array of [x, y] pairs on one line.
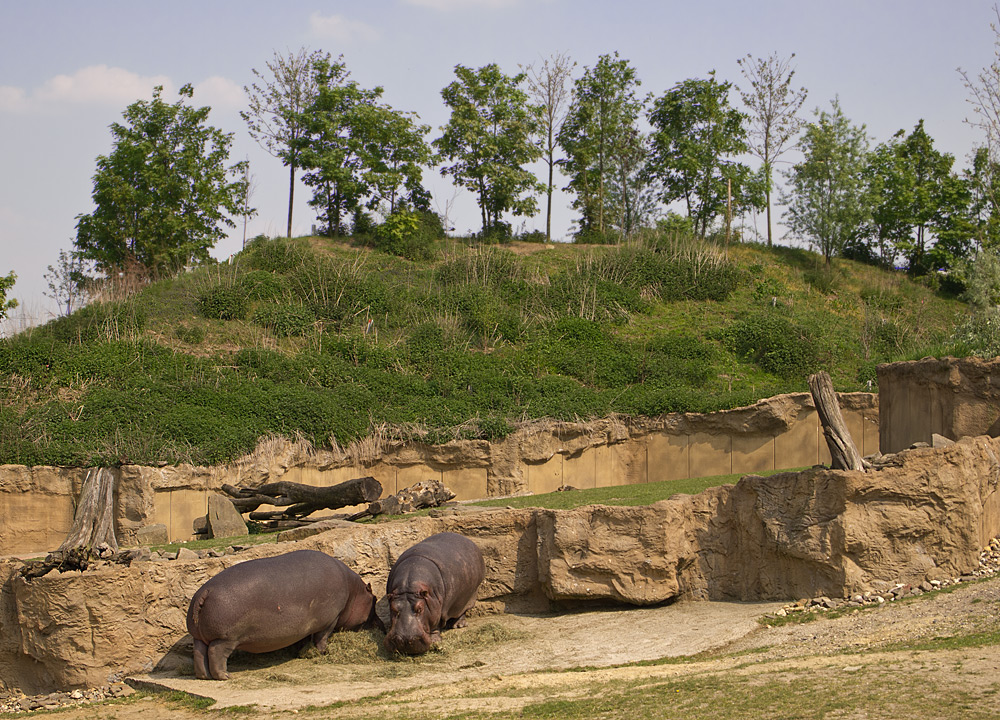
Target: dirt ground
[[500, 663]]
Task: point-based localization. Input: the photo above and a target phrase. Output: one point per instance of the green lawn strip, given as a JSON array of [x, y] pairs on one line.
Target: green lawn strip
[[620, 495]]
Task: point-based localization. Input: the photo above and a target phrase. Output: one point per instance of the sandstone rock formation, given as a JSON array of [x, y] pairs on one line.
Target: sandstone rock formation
[[818, 532], [953, 397]]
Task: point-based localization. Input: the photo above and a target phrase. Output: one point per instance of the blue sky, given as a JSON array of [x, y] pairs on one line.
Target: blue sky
[[69, 69]]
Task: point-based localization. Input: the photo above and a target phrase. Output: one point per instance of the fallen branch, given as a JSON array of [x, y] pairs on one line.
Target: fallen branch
[[301, 500], [424, 494]]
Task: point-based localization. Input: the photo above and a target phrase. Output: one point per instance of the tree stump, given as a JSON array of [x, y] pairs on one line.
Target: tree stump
[[843, 451], [426, 493], [94, 520]]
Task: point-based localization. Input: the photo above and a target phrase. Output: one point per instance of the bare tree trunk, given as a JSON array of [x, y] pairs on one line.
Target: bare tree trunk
[[94, 520], [301, 499], [291, 195], [842, 448]]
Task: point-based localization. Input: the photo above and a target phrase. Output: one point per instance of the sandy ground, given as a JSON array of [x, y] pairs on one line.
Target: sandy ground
[[522, 644], [499, 664]]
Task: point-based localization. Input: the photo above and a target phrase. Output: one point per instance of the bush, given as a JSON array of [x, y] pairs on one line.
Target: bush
[[224, 302], [284, 320], [596, 237], [406, 233], [278, 255], [263, 285], [773, 343]]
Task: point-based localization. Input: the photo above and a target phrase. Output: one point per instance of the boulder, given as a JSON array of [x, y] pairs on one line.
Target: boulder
[[152, 535], [224, 520]]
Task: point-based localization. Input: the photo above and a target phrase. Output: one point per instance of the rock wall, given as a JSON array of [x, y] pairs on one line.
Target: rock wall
[[818, 532], [953, 397], [780, 432]]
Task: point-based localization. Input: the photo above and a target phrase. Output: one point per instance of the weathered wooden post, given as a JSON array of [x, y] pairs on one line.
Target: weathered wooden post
[[842, 448]]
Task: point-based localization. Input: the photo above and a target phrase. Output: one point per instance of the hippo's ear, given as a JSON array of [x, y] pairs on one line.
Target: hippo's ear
[[368, 586]]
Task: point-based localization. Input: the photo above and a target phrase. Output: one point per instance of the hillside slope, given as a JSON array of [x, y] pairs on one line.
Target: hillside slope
[[321, 339]]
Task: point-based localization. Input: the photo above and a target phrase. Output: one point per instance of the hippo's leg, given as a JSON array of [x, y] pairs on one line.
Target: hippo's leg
[[200, 669], [321, 638], [459, 622], [218, 656]]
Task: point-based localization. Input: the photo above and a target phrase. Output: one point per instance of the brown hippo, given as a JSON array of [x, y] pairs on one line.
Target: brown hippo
[[270, 603], [430, 588]]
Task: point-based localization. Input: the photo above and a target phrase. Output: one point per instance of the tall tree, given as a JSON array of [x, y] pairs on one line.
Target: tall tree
[[66, 280], [164, 191], [357, 152], [825, 197], [276, 103], [548, 88], [982, 178], [773, 119], [696, 135], [6, 283], [602, 120], [984, 97], [915, 199], [488, 141]]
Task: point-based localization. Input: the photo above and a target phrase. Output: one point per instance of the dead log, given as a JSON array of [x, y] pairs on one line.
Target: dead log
[[301, 500], [94, 520], [843, 451], [424, 494]]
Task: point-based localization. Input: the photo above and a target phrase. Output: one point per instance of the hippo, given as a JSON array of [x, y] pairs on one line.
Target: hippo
[[430, 588], [271, 603]]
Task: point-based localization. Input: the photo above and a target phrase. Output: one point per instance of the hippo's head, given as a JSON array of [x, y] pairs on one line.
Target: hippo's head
[[414, 620], [360, 611]]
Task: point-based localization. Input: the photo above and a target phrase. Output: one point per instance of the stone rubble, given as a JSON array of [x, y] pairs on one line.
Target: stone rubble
[[17, 702], [989, 565]]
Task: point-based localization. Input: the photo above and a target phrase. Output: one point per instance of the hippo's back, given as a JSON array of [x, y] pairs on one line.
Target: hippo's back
[[270, 603]]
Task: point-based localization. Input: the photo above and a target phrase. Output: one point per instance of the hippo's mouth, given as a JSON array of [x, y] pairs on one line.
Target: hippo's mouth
[[414, 645]]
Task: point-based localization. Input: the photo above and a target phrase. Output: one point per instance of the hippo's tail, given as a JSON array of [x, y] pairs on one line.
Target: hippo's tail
[[194, 612]]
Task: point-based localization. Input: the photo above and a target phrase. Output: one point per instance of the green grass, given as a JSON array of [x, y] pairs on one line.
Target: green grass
[[320, 339], [623, 495]]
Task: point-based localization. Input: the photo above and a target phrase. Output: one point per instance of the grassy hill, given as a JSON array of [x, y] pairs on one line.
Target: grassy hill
[[323, 339]]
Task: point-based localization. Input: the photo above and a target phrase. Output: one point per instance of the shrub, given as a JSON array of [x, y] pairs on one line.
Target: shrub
[[405, 233], [263, 285], [773, 343], [278, 255], [284, 320], [224, 302]]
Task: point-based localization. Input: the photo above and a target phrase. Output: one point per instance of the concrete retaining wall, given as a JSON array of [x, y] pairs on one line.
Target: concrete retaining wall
[[37, 503]]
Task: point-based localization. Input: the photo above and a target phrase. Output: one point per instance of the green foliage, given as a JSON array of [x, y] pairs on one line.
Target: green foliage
[[825, 190], [459, 347], [163, 191], [191, 334], [356, 151], [284, 320], [6, 283], [262, 285], [776, 344], [274, 256], [696, 135], [601, 140], [224, 302], [488, 140], [406, 233]]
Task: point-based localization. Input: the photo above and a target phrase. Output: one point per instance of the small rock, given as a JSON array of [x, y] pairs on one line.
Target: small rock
[[155, 534], [926, 586], [185, 554]]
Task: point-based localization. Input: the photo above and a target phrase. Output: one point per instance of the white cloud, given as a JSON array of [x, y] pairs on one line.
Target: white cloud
[[341, 29], [12, 99], [99, 84], [218, 92], [449, 5]]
